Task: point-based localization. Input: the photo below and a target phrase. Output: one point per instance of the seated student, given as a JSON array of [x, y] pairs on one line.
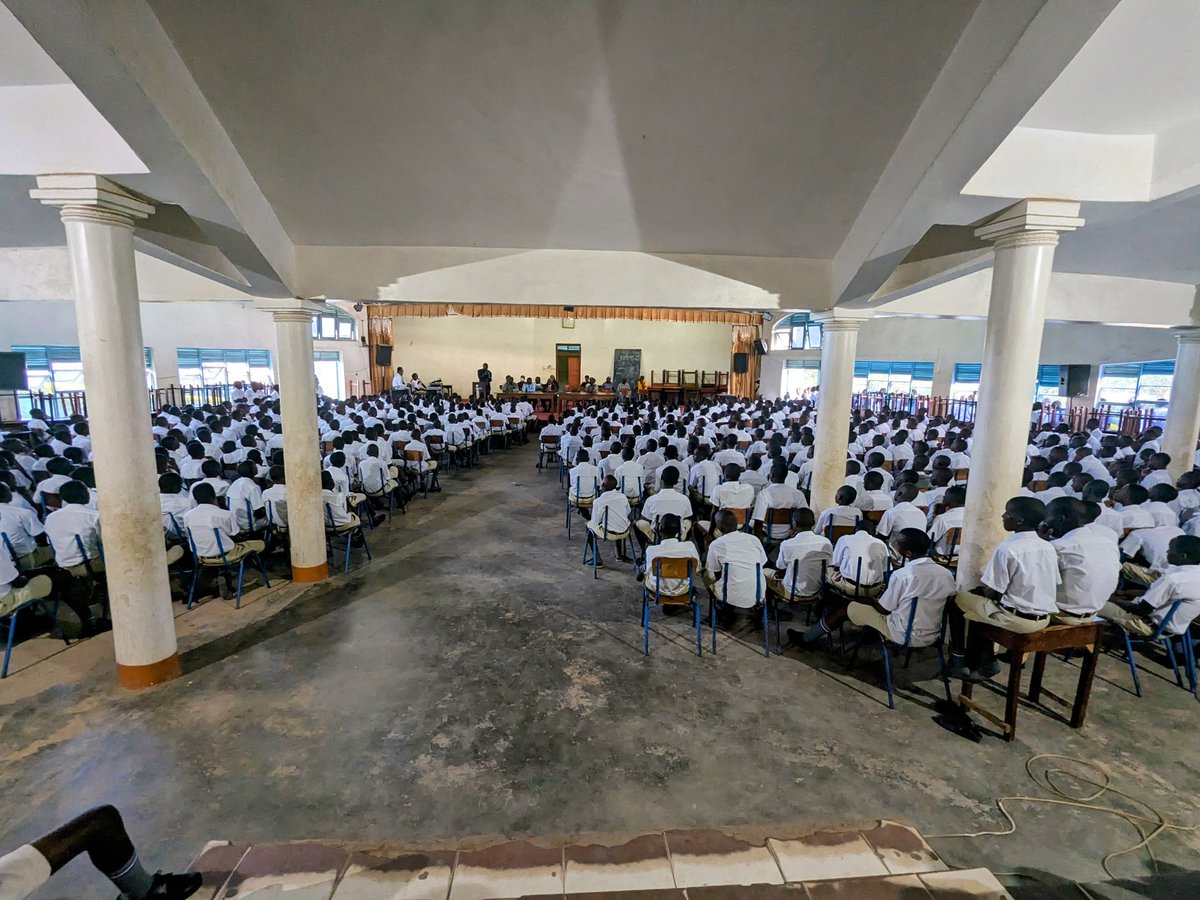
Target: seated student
[[174, 502], [671, 461], [1163, 504], [730, 454], [190, 468], [1128, 500], [877, 499], [1188, 498], [803, 556], [1157, 470], [211, 470], [703, 476], [17, 589], [609, 515], [754, 474], [610, 463], [845, 513], [672, 546], [729, 494], [246, 490], [1097, 492], [904, 513], [24, 531], [667, 501], [920, 580], [337, 513], [275, 497], [744, 555], [776, 495], [73, 520], [583, 480], [377, 477], [859, 563], [939, 483], [630, 475], [875, 461], [1018, 590], [208, 521], [953, 502], [60, 470], [1179, 581], [1144, 552], [1089, 564]]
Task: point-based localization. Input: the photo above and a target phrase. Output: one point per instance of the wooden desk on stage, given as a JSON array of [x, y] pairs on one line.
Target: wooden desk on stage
[[544, 400]]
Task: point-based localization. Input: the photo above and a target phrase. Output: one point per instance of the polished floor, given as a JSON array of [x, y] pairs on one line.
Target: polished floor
[[475, 680]]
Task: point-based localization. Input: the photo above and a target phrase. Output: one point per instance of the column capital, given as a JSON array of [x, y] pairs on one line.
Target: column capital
[[1187, 334], [838, 319], [1030, 222], [91, 198], [289, 309]]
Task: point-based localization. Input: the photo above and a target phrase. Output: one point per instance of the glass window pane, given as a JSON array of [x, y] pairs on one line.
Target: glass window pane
[[262, 374], [190, 376], [328, 327], [781, 339], [346, 329]]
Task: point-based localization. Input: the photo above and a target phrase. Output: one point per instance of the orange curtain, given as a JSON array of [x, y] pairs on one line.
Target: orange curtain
[[528, 311], [744, 384], [379, 331]]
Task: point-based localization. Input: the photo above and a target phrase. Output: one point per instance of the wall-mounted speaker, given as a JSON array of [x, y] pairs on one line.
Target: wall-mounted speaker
[[383, 354], [741, 363], [760, 347]]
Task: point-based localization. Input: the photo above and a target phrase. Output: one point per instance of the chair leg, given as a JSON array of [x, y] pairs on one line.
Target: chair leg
[[942, 671], [766, 623], [262, 570], [1169, 642], [192, 589], [645, 624], [241, 578], [887, 673], [12, 630], [712, 623], [346, 561], [366, 547], [696, 621], [1137, 684]]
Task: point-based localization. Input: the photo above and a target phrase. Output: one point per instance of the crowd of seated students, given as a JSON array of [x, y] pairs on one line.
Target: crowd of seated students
[[221, 483], [1096, 530]]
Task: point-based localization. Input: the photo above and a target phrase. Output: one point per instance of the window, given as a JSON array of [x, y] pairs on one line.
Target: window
[[966, 381], [893, 377], [1144, 383], [327, 364], [207, 367], [55, 369], [796, 332], [800, 375], [334, 325], [1046, 389]]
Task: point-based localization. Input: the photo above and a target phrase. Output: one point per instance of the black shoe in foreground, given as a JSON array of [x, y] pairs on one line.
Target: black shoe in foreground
[[174, 887]]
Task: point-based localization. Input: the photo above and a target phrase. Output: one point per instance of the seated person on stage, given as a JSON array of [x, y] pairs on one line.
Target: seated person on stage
[[729, 494], [670, 547], [743, 553], [845, 513], [509, 386], [1089, 564], [920, 579], [100, 834], [803, 555], [953, 502], [1180, 581], [667, 501], [624, 390], [776, 495], [610, 515], [859, 563], [1018, 591], [583, 480], [903, 514], [1144, 553], [208, 521]]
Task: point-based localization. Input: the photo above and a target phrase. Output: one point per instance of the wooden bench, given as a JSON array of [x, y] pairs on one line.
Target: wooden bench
[[1053, 637]]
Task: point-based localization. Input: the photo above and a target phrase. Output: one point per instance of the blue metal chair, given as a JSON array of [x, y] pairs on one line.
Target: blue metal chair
[[349, 532], [547, 450], [576, 504], [672, 567], [759, 603], [591, 543], [886, 645], [1167, 641], [225, 566], [794, 571], [48, 605]]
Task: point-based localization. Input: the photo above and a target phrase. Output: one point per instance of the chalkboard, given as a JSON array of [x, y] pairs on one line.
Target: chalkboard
[[627, 365]]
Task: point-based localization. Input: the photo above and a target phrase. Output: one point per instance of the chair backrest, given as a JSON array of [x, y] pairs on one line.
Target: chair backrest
[[834, 532], [249, 514], [874, 515], [551, 440], [87, 563], [434, 441], [51, 501], [953, 536], [1161, 629], [887, 465], [496, 423], [178, 529], [780, 516], [9, 547], [757, 583], [220, 546], [961, 474], [414, 455], [674, 567], [742, 515], [912, 616], [329, 515]]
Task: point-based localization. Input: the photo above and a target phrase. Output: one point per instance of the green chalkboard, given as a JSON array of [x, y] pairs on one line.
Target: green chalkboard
[[627, 364]]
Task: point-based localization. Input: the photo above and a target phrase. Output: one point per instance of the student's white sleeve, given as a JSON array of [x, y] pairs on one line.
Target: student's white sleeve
[[1159, 594], [760, 507], [713, 562], [996, 574]]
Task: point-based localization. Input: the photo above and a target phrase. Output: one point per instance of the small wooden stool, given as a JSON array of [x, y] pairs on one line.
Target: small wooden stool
[[1053, 637]]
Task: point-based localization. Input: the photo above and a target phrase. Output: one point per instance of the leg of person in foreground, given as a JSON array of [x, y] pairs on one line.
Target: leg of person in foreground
[[101, 834]]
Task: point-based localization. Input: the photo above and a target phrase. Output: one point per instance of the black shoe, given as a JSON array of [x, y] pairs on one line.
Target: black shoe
[[378, 520], [169, 886], [795, 637]]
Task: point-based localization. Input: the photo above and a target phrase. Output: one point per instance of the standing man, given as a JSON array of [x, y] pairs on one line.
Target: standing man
[[484, 377]]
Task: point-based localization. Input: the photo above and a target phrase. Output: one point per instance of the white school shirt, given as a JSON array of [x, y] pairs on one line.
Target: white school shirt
[[584, 481], [1176, 583], [951, 518], [742, 552], [1161, 513], [777, 496], [1111, 519], [1158, 476], [610, 464], [49, 485], [808, 551], [1135, 516], [837, 515], [632, 476], [901, 516], [732, 495], [878, 500], [219, 485], [334, 504], [616, 505], [275, 501], [724, 457], [671, 548], [870, 550], [200, 524], [666, 503], [1024, 569], [704, 477], [8, 574], [1152, 543], [189, 469], [373, 473], [930, 585], [681, 483], [239, 492], [21, 527], [1089, 567], [64, 524], [176, 505]]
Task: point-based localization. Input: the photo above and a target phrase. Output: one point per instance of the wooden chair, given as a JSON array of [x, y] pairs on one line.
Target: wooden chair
[[497, 429], [834, 532], [548, 449], [873, 515], [677, 568], [426, 469], [351, 531], [961, 474], [776, 517], [591, 543], [950, 558]]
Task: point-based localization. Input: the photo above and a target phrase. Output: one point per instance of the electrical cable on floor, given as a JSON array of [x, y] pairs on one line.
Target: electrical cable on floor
[[1148, 827]]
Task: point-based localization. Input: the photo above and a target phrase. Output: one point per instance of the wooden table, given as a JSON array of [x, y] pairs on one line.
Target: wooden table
[[547, 400], [1054, 637]]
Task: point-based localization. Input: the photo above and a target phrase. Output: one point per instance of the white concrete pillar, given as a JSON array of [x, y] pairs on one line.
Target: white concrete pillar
[[839, 343], [301, 451], [1183, 415], [1025, 236], [99, 215]]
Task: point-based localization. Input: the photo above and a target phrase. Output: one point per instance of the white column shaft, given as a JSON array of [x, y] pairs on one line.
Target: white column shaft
[[839, 343], [1183, 415]]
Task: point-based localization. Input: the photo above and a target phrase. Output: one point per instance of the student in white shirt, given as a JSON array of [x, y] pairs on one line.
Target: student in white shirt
[[60, 473], [174, 502], [776, 495], [609, 517], [1018, 590], [72, 520], [729, 494], [1179, 582], [860, 563], [703, 477], [1145, 553], [670, 547], [744, 555], [23, 529], [214, 530], [844, 514], [245, 501], [1158, 474], [631, 477], [876, 498], [337, 513], [275, 498], [920, 580], [667, 501], [211, 470], [802, 559], [1089, 563], [903, 514], [583, 480], [953, 502]]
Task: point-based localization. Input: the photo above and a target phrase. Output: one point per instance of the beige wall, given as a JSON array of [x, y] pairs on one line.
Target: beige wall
[[452, 348]]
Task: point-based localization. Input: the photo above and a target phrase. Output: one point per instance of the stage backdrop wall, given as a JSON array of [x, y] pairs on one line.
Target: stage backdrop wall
[[452, 348]]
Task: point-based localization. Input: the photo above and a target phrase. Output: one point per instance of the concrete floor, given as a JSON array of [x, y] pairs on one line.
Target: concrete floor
[[474, 679]]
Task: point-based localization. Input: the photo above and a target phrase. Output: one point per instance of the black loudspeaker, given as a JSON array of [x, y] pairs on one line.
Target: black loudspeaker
[[1074, 381], [760, 347], [741, 363], [383, 354]]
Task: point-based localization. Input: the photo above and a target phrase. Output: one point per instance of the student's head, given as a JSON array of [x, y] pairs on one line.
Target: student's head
[[954, 497], [195, 450], [910, 543], [1023, 514], [326, 480], [670, 526], [1095, 492], [732, 472], [873, 481], [247, 469], [875, 460], [1184, 551], [1063, 514], [845, 496], [725, 521], [228, 447], [581, 456], [803, 519], [169, 483], [1163, 493], [1132, 495], [337, 459], [1058, 480], [60, 466], [210, 468], [204, 493], [670, 477], [1188, 481], [75, 492], [1159, 461], [906, 493]]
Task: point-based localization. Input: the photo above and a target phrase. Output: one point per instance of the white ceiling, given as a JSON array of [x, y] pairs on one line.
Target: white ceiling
[[724, 127]]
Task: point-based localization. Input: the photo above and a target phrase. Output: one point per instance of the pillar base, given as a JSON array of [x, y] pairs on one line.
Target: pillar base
[[138, 677], [310, 574]]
